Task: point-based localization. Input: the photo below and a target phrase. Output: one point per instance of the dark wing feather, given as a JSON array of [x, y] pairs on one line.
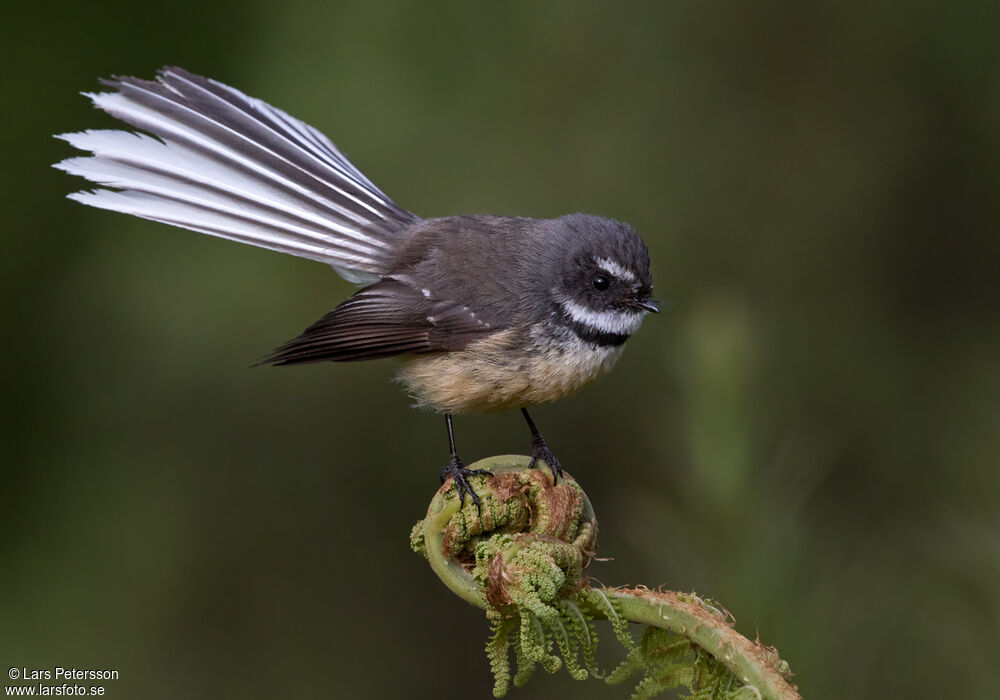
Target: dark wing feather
[[387, 318], [263, 133]]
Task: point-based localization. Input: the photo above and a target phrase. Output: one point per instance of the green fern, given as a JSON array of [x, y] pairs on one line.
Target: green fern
[[521, 558]]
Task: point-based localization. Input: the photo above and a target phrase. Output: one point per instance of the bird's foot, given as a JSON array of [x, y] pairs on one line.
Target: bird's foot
[[541, 451], [460, 478]]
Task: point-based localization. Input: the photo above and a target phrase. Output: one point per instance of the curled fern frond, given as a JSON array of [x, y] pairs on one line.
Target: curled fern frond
[[521, 558]]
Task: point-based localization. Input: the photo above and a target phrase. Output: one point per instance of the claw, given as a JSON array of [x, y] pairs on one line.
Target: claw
[[541, 451], [460, 478]]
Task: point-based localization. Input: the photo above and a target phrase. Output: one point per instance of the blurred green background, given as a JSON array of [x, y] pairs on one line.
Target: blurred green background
[[809, 434]]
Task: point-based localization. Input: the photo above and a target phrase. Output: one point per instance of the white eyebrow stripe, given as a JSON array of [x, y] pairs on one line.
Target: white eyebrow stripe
[[617, 270], [619, 322]]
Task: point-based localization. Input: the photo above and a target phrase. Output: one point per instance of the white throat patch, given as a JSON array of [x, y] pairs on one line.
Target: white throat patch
[[618, 322]]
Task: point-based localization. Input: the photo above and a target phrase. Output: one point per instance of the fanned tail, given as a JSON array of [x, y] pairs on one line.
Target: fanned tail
[[233, 166]]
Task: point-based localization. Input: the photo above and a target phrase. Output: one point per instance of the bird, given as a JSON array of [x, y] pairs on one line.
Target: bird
[[485, 313]]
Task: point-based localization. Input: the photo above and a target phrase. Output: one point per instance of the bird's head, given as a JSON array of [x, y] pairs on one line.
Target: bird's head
[[603, 286]]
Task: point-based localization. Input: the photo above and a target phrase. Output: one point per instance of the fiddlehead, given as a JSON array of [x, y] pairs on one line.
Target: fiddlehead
[[522, 559]]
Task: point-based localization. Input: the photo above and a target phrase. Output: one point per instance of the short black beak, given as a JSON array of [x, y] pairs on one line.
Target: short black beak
[[648, 305]]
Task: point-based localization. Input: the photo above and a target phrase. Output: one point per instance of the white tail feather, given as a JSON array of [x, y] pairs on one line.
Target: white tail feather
[[194, 178], [233, 166], [192, 217]]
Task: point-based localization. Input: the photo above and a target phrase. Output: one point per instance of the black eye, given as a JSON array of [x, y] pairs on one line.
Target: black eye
[[601, 283]]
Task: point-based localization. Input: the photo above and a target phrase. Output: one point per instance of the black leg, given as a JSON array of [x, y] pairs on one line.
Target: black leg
[[457, 471], [541, 451]]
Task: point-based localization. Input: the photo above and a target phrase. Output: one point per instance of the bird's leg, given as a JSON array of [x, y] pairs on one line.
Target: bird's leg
[[541, 451], [457, 471]]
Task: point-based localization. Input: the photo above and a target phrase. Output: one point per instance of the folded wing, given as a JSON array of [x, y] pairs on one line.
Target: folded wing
[[388, 318]]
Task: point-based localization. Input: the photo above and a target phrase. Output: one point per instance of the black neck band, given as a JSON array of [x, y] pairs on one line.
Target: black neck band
[[592, 335]]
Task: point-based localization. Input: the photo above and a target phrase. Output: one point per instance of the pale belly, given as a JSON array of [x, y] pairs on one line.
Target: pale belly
[[499, 373]]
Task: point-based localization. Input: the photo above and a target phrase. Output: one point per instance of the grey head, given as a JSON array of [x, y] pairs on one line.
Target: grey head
[[603, 288]]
